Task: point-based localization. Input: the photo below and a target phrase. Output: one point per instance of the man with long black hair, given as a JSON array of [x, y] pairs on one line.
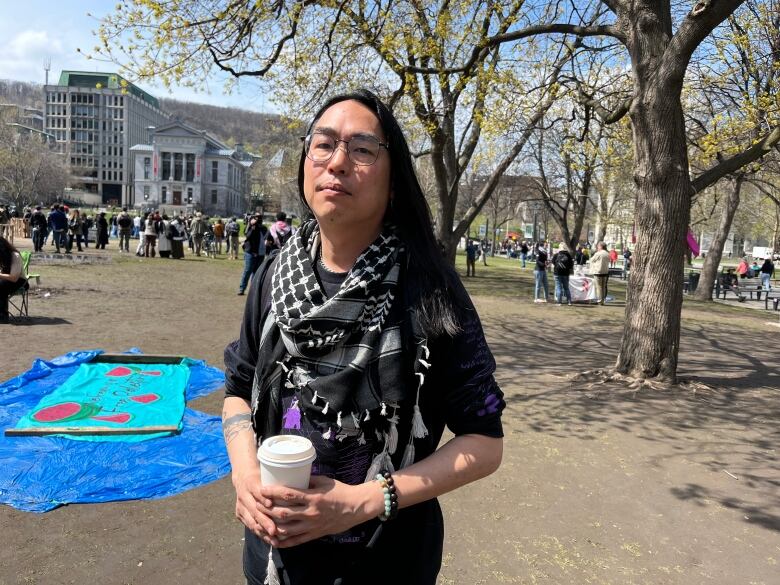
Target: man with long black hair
[[359, 336]]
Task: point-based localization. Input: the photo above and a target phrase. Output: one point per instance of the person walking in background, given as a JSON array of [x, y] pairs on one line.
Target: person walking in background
[[626, 262], [219, 234], [743, 268], [767, 270], [38, 225], [75, 231], [178, 233], [101, 225], [254, 250], [163, 237], [579, 257], [58, 226], [85, 227], [540, 275], [197, 229], [114, 227], [523, 253], [280, 231], [232, 231], [471, 258], [613, 256], [599, 268], [125, 228], [152, 227], [139, 249], [563, 266]]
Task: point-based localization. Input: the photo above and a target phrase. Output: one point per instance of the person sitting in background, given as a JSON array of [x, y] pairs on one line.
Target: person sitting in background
[[729, 281], [743, 268], [11, 278]]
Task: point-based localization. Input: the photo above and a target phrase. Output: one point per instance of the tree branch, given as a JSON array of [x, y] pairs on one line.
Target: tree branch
[[736, 162], [703, 18]]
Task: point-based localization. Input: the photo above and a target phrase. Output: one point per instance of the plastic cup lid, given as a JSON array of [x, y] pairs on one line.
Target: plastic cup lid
[[287, 449]]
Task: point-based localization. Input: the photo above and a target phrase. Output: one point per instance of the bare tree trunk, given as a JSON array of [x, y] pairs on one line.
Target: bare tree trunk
[[651, 333], [714, 255]]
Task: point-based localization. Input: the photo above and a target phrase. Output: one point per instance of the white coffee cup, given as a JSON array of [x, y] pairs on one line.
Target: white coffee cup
[[286, 460]]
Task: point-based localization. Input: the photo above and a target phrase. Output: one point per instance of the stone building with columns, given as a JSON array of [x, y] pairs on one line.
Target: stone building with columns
[[185, 169]]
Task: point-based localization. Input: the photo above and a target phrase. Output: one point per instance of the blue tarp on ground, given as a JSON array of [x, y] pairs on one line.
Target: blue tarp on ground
[[38, 474]]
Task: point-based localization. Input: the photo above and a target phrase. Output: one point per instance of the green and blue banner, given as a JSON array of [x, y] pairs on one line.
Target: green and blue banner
[[114, 397]]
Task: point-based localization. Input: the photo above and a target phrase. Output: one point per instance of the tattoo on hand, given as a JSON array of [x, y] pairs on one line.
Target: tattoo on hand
[[234, 425]]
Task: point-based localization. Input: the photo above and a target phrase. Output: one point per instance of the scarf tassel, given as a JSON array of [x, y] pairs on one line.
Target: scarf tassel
[[327, 406], [391, 438], [361, 439], [380, 462], [326, 434], [419, 430], [408, 458], [271, 574]]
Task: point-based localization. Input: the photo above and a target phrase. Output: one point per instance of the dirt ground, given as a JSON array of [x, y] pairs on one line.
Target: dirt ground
[[599, 485]]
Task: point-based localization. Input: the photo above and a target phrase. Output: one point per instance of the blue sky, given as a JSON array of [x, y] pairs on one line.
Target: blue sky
[[32, 30]]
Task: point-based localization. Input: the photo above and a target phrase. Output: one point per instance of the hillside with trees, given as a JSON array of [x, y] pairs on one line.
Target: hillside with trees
[[262, 134]]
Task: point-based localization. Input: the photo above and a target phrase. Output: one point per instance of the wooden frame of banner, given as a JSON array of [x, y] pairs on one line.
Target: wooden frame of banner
[[37, 431], [141, 358]]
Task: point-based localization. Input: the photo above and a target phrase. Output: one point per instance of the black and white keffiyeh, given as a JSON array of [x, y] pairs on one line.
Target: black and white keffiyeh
[[343, 355]]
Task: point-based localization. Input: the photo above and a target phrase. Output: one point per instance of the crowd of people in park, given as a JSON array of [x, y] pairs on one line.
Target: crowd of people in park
[[155, 233], [595, 260]]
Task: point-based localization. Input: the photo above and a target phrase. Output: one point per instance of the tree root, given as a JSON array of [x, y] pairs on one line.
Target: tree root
[[608, 379]]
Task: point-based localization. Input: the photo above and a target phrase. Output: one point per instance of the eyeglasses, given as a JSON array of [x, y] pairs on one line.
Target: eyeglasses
[[362, 150]]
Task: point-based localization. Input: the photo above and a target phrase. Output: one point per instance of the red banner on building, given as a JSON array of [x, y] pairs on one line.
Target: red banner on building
[[154, 165], [197, 167]]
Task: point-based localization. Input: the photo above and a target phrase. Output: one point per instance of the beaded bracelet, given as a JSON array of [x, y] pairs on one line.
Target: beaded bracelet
[[385, 480]]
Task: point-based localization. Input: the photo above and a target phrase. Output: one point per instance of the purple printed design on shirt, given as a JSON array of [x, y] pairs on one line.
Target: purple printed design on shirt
[[491, 405], [292, 418]]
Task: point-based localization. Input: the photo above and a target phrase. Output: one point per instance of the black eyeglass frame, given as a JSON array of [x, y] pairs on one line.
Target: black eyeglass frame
[[307, 143]]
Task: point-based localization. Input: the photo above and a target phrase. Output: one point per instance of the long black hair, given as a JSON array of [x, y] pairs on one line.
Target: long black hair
[[428, 274], [6, 254]]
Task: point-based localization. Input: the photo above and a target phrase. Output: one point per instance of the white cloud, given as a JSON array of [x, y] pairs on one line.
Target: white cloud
[[32, 43], [22, 55]]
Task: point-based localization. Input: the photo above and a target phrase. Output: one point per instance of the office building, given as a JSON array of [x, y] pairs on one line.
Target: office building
[[96, 118]]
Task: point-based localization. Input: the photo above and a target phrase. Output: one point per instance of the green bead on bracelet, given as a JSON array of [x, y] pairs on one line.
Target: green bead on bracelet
[[391, 498]]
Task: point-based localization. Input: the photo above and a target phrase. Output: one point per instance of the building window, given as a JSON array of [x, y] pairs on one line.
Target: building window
[[146, 192], [189, 194], [213, 196], [178, 160], [190, 174], [215, 171], [166, 166], [147, 167], [164, 193]]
